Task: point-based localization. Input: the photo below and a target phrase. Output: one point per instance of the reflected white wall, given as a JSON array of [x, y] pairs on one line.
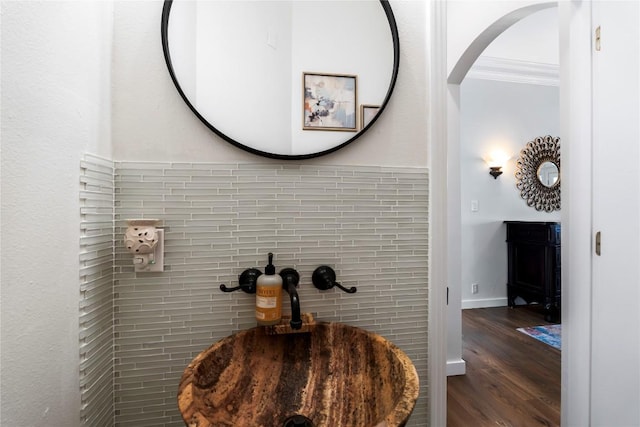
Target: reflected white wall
[[241, 65]]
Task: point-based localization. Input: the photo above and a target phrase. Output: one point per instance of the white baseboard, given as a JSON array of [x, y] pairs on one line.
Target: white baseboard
[[484, 303], [456, 367]]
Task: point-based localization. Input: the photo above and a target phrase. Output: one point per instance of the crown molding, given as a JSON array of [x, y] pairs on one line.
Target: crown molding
[[515, 71]]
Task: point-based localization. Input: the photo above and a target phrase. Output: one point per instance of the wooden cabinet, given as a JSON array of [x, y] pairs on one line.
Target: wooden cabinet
[[533, 250]]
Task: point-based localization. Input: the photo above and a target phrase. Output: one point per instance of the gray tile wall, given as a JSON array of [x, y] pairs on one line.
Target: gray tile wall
[[368, 223], [96, 291]]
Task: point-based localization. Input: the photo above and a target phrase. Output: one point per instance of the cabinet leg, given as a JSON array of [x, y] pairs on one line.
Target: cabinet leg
[[551, 312]]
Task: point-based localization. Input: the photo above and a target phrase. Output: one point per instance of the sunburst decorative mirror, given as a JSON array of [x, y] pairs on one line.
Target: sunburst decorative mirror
[[538, 173]]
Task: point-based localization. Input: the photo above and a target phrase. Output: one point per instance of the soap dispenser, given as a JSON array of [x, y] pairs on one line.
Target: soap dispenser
[[269, 296]]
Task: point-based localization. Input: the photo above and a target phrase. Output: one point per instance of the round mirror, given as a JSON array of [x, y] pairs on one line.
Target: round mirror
[[538, 173], [283, 79], [548, 174]]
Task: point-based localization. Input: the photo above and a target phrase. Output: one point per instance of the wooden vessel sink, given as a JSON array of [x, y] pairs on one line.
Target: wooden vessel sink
[[335, 375]]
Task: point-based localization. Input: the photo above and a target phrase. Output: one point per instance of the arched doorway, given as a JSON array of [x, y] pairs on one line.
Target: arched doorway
[[445, 97]]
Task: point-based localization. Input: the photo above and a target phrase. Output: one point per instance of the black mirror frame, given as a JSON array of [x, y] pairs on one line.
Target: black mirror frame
[[166, 9]]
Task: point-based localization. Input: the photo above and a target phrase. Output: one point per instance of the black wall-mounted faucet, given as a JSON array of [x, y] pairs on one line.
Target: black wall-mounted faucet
[[290, 280], [324, 278]]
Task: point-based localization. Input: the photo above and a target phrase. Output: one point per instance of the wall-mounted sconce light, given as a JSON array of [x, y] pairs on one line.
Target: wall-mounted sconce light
[[496, 162], [495, 171], [146, 243]]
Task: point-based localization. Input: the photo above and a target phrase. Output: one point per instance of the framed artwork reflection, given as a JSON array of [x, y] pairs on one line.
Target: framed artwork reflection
[[329, 102], [367, 113]]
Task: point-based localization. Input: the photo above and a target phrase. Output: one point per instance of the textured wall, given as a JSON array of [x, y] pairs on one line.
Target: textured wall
[[55, 106], [369, 223]]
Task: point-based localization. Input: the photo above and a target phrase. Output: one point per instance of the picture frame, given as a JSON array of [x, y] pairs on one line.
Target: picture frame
[[367, 113], [329, 102]]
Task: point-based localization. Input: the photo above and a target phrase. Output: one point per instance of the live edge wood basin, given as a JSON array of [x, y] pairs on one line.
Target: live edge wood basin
[[336, 375]]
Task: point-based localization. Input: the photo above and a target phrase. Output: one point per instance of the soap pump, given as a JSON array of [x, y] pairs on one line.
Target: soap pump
[[269, 296]]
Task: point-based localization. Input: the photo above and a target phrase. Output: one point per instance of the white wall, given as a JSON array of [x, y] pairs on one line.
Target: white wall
[[234, 61], [496, 115], [55, 106], [532, 39], [576, 127], [151, 122]]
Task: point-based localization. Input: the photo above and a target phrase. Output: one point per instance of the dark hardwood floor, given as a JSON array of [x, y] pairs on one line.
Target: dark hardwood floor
[[512, 379]]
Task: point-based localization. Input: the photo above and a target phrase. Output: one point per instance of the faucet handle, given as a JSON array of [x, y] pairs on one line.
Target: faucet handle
[[246, 282], [324, 278]]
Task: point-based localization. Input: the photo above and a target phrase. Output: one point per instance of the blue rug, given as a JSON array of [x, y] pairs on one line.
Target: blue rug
[[548, 334]]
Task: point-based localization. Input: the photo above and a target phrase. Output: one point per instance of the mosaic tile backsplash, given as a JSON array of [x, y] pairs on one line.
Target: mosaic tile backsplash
[[369, 223], [96, 292]]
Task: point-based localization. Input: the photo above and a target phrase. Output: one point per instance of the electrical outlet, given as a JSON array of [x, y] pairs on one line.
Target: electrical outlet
[[474, 288]]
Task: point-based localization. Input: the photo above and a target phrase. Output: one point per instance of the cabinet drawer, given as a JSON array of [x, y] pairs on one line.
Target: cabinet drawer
[[543, 233]]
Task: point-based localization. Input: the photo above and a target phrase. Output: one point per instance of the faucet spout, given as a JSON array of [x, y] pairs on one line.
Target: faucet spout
[[290, 279], [296, 321]]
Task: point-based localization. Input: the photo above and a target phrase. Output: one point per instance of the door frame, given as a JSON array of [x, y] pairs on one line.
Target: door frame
[[575, 118]]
